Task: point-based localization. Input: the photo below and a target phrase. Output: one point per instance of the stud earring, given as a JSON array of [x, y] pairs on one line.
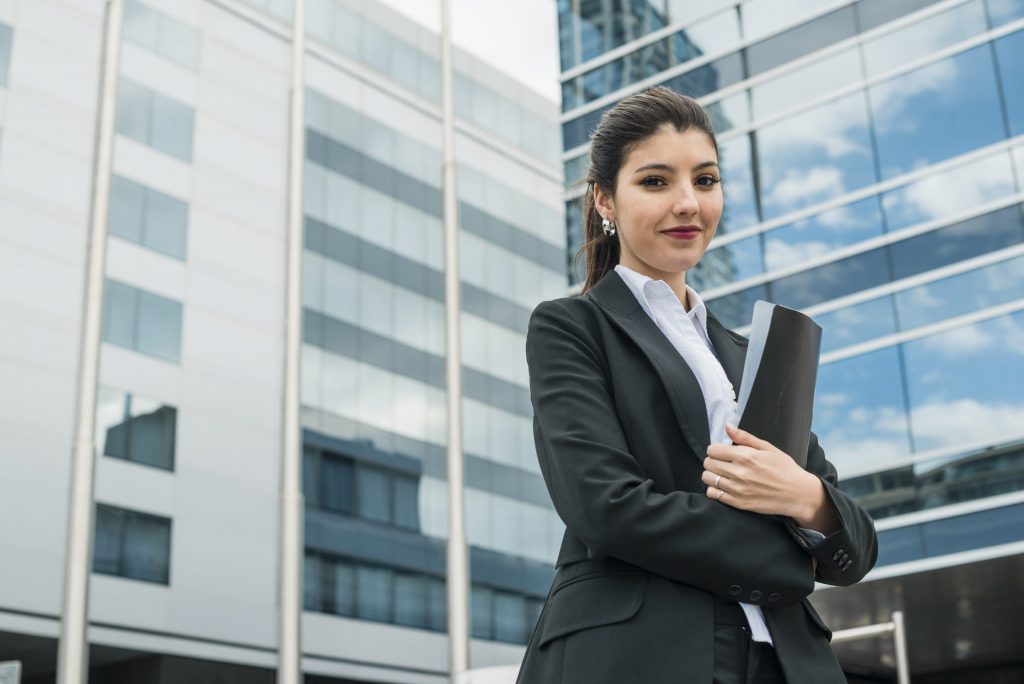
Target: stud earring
[[608, 227]]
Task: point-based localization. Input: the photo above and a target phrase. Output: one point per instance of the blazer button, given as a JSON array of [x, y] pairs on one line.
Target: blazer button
[[735, 590], [755, 595], [774, 596]]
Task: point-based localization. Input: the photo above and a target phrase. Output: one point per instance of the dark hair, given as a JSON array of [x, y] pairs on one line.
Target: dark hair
[[619, 131]]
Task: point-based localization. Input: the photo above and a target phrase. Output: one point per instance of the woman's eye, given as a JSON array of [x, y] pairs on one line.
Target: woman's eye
[[708, 180], [653, 181]]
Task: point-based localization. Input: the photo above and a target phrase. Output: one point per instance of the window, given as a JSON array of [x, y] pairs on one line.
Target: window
[[154, 119], [135, 429], [132, 544], [161, 34], [147, 217], [142, 321], [343, 485], [5, 52], [1010, 57], [351, 588]]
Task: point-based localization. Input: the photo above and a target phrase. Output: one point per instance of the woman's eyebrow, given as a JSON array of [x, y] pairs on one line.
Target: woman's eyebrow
[[661, 166]]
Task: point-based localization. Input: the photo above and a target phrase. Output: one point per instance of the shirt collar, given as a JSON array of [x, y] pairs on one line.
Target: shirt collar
[[645, 288]]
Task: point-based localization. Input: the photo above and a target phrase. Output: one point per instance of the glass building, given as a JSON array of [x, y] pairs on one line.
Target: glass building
[[872, 157], [189, 415]]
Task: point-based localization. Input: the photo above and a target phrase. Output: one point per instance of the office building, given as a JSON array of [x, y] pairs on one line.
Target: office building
[[189, 419], [872, 158]]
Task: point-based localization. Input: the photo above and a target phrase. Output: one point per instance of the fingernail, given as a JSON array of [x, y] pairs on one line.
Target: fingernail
[[730, 426]]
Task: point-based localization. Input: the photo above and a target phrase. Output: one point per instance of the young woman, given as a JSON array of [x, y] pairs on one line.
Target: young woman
[[690, 546]]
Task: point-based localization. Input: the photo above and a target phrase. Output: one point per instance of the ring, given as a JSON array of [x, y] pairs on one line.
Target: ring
[[720, 494], [717, 479]]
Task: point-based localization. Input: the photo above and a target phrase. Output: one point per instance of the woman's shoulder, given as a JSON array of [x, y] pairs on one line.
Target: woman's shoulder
[[578, 308]]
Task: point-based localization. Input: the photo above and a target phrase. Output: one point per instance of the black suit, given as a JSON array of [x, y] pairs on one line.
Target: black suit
[[621, 431]]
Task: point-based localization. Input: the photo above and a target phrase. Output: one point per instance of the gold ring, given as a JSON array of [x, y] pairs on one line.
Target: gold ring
[[717, 480], [720, 493]]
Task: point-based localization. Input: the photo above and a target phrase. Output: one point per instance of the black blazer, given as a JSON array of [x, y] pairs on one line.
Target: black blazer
[[621, 431]]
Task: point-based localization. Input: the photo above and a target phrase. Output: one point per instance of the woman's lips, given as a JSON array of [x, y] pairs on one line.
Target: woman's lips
[[683, 233]]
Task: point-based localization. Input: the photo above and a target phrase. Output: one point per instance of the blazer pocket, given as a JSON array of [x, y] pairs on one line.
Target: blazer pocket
[[815, 618], [591, 602]]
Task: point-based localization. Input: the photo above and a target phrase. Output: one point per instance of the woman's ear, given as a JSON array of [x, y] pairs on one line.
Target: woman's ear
[[604, 203]]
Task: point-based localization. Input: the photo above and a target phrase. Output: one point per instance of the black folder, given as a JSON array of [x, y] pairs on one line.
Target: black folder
[[777, 392]]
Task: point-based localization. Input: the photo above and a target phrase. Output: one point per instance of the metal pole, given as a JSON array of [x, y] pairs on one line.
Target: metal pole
[[289, 643], [458, 564], [899, 636], [72, 645]]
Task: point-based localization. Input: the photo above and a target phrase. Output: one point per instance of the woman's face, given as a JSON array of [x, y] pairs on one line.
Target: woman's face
[[667, 203]]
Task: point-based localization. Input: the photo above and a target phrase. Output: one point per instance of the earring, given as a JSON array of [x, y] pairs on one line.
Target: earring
[[608, 227]]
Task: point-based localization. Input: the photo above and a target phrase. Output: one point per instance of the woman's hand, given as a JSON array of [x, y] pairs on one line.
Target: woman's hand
[[753, 475]]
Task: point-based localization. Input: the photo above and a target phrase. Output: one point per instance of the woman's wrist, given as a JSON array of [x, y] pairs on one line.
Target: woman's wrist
[[815, 511]]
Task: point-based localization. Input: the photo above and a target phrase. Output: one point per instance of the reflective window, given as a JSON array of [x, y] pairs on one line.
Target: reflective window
[[784, 47], [957, 242], [727, 264], [340, 484], [142, 321], [859, 411], [161, 34], [872, 13], [943, 195], [858, 323], [147, 217], [729, 112], [798, 170], [132, 544], [737, 185], [924, 37], [961, 294], [135, 429], [706, 79], [822, 233], [940, 482], [374, 593], [962, 87], [1010, 55], [806, 83], [764, 17], [832, 280], [1004, 11], [1018, 162], [5, 52], [279, 9], [154, 119], [735, 310], [964, 384]]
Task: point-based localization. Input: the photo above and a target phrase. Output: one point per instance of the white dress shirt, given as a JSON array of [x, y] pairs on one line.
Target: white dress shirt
[[688, 333]]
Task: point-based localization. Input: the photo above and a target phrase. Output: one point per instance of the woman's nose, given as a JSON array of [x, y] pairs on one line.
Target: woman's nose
[[686, 202]]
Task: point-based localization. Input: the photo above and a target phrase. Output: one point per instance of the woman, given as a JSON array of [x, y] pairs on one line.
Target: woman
[[690, 546]]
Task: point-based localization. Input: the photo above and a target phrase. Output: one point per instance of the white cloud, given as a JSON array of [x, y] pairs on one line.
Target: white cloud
[[779, 254], [797, 184], [964, 421]]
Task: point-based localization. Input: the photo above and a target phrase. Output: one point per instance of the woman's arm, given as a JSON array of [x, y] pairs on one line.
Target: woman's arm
[[751, 474], [604, 498]]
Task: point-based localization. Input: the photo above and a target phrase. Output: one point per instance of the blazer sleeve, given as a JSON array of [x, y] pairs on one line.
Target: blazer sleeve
[[603, 497], [846, 555]]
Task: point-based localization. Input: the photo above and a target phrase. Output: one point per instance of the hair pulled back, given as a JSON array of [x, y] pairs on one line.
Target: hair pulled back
[[618, 132]]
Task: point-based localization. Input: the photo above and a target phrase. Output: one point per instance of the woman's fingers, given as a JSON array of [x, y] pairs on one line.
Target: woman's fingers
[[744, 438]]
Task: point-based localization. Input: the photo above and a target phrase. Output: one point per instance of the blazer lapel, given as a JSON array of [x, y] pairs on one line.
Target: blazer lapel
[[730, 350], [616, 299]]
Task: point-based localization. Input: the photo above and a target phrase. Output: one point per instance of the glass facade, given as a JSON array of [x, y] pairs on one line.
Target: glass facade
[[373, 376], [872, 179], [141, 320], [147, 217], [135, 429], [132, 544], [5, 52]]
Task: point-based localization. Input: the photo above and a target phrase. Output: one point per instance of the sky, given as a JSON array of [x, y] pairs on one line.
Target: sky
[[518, 37]]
